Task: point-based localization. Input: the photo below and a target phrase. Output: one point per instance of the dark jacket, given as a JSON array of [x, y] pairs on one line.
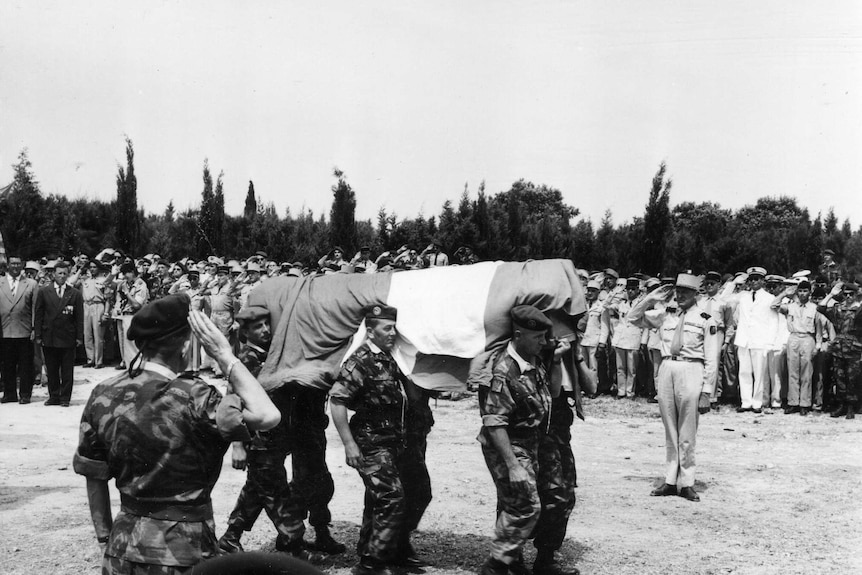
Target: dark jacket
[[58, 323]]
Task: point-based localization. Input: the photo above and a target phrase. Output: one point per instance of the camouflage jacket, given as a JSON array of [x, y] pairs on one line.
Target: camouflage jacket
[[371, 384], [162, 438], [252, 358], [847, 319], [515, 399]]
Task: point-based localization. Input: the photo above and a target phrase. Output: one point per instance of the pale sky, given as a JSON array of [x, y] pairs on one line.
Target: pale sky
[[414, 99]]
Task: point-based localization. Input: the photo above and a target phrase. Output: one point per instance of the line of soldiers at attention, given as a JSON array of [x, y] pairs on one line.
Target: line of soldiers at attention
[[785, 342]]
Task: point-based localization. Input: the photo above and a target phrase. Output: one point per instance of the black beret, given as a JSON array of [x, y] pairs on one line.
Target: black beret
[[381, 312], [252, 313], [164, 317], [804, 284], [713, 277], [128, 267], [528, 317]]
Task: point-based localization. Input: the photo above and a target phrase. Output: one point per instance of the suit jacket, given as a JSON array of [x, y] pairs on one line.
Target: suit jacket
[[16, 312], [58, 323]]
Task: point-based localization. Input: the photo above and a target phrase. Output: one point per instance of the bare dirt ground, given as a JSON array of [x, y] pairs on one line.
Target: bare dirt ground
[[779, 494]]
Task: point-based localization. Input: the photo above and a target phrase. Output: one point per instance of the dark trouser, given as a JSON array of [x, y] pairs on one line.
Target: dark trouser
[[556, 479], [311, 488], [645, 380], [16, 361], [729, 375], [266, 489], [417, 482], [848, 378], [60, 365]]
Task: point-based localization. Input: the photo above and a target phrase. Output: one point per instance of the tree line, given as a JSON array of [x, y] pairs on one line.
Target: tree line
[[526, 221]]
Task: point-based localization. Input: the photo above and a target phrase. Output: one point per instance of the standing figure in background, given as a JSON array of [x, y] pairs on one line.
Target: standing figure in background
[[17, 293]]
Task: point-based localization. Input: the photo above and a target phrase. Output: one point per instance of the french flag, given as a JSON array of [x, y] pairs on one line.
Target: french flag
[[447, 316]]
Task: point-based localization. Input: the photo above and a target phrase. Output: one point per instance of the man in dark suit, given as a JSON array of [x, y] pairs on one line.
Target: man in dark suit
[[16, 316], [58, 319]]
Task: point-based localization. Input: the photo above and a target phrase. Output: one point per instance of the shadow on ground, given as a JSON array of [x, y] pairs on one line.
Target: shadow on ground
[[15, 497]]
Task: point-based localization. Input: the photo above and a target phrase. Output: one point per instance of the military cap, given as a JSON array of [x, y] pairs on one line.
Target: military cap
[[612, 273], [804, 284], [381, 311], [688, 281], [593, 284], [652, 283], [668, 280], [713, 277], [31, 265], [285, 265], [194, 272], [828, 253], [756, 271], [215, 260], [336, 249], [802, 274], [297, 265], [774, 279], [582, 273], [296, 272], [365, 249], [261, 254], [633, 283], [850, 286], [223, 268], [128, 268], [161, 318], [528, 317], [252, 313], [253, 267], [236, 268]]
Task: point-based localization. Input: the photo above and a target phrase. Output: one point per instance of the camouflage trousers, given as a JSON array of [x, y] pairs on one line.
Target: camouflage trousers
[[311, 487], [556, 479], [847, 375], [266, 488], [517, 510], [383, 518], [118, 566]]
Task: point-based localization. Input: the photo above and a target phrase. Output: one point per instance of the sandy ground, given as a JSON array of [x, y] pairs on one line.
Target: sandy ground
[[779, 494]]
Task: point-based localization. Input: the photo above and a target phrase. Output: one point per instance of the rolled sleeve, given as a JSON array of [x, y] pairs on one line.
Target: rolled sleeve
[[347, 387], [92, 468], [229, 419], [497, 404]]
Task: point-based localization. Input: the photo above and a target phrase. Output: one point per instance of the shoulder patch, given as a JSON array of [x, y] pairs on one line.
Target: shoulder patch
[[705, 315]]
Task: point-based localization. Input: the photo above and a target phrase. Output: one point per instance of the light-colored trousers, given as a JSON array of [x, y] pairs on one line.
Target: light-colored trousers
[[128, 349], [94, 331], [800, 367], [752, 370], [776, 365], [679, 384], [626, 369]]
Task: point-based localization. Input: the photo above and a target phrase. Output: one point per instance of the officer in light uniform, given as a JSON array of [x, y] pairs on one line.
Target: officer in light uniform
[[686, 376]]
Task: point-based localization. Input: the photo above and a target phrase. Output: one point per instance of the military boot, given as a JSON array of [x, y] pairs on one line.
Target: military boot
[[229, 542], [546, 564], [851, 411], [323, 541], [840, 411], [298, 549], [407, 557]]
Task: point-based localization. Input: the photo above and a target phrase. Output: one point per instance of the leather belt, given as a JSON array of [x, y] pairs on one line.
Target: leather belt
[[681, 358], [191, 512]]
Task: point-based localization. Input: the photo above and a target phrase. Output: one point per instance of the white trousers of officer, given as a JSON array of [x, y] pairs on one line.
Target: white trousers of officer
[[679, 385], [752, 369]]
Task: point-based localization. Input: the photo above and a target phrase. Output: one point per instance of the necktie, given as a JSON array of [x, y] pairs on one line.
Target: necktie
[[753, 294], [14, 286], [676, 344], [60, 291]]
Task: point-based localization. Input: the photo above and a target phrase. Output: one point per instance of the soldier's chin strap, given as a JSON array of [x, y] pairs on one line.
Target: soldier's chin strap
[[135, 370]]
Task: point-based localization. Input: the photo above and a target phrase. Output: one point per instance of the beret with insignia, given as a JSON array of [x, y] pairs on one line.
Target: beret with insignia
[[528, 317], [381, 311]]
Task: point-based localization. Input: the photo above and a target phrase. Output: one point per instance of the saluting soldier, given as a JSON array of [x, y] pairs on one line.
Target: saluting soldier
[[846, 349], [371, 384], [685, 378], [162, 437]]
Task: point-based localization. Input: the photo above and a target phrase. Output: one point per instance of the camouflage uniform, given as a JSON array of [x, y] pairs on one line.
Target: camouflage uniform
[[520, 402], [846, 349], [162, 439], [266, 486], [311, 488], [371, 384], [557, 476]]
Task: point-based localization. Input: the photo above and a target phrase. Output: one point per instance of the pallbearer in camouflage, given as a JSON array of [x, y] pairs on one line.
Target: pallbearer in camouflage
[[266, 487], [515, 405], [162, 438], [371, 384]]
